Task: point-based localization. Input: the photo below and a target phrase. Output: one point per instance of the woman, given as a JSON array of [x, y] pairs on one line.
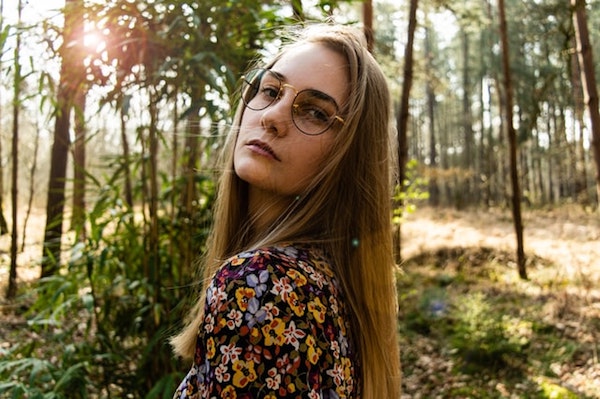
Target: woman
[[300, 299]]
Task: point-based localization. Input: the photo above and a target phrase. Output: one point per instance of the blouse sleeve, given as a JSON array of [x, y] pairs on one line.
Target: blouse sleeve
[[272, 329]]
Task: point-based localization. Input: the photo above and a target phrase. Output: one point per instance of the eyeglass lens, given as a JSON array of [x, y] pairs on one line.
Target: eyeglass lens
[[313, 112]]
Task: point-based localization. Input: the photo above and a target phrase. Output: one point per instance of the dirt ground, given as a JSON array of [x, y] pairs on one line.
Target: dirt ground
[[567, 236]]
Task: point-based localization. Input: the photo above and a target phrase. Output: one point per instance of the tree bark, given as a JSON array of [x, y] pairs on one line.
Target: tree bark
[[78, 216], [434, 194], [467, 119], [512, 139], [11, 292], [124, 111], [403, 111], [588, 82], [3, 224], [368, 24], [578, 123], [32, 185], [70, 79]]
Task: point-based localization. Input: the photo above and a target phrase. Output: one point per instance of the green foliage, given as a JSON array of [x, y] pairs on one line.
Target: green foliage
[[550, 390], [483, 337], [413, 190], [104, 323], [463, 322], [50, 360]]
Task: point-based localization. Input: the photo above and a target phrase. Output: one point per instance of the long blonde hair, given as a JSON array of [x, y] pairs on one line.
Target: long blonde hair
[[346, 209]]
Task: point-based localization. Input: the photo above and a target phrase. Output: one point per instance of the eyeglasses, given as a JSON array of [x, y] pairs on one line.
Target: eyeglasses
[[313, 112]]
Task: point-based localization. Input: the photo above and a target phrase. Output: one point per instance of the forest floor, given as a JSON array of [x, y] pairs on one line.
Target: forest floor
[[469, 326]]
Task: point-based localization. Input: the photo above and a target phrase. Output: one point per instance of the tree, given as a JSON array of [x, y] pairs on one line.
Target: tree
[[434, 194], [71, 78], [3, 224], [403, 110], [12, 279], [588, 81], [512, 139], [78, 216], [368, 24]]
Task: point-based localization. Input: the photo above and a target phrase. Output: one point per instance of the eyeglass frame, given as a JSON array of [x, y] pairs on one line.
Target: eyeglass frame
[[282, 85]]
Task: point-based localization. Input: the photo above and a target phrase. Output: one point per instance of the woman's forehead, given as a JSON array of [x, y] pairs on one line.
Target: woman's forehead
[[314, 65]]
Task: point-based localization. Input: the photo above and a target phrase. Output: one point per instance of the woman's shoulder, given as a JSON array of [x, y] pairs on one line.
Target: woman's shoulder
[[301, 261]]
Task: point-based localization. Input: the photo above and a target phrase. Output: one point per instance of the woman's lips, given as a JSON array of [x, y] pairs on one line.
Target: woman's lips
[[262, 148]]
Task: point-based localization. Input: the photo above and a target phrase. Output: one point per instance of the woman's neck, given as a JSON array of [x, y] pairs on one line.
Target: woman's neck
[[265, 207]]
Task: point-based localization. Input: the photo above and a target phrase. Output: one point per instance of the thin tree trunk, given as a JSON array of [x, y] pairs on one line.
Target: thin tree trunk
[[588, 82], [78, 216], [189, 195], [467, 119], [32, 171], [512, 139], [403, 111], [368, 24], [125, 144], [579, 123], [434, 194], [11, 292], [3, 224], [173, 242]]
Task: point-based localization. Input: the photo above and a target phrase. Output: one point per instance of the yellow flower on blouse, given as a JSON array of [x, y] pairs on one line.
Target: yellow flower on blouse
[[296, 305], [229, 393], [243, 296], [244, 373], [314, 352], [297, 277], [274, 332], [317, 309], [210, 348]]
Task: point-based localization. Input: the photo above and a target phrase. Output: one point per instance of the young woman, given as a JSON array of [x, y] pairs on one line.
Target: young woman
[[300, 299]]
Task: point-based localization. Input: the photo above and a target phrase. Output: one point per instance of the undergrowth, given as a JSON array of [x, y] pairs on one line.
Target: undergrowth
[[471, 329]]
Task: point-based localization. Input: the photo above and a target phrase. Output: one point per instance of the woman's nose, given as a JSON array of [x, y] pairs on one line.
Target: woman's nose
[[277, 117]]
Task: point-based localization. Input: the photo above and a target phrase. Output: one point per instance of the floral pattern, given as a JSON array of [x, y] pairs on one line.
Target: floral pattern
[[275, 326]]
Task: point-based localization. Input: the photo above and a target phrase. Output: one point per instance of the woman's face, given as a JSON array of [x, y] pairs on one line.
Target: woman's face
[[271, 153]]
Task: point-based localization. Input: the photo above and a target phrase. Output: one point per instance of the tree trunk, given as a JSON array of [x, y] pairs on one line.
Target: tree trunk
[[434, 194], [78, 217], [70, 79], [588, 82], [32, 185], [3, 224], [189, 195], [154, 243], [11, 292], [512, 139], [368, 24], [403, 111], [124, 111], [578, 123], [467, 118]]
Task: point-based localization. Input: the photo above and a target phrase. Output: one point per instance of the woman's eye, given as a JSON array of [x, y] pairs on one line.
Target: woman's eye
[[312, 112], [270, 91], [318, 114]]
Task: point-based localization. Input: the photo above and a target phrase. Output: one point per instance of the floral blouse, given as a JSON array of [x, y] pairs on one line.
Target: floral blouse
[[275, 326]]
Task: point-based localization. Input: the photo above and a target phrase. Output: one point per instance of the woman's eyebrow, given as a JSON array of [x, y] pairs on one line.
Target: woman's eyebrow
[[278, 74]]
